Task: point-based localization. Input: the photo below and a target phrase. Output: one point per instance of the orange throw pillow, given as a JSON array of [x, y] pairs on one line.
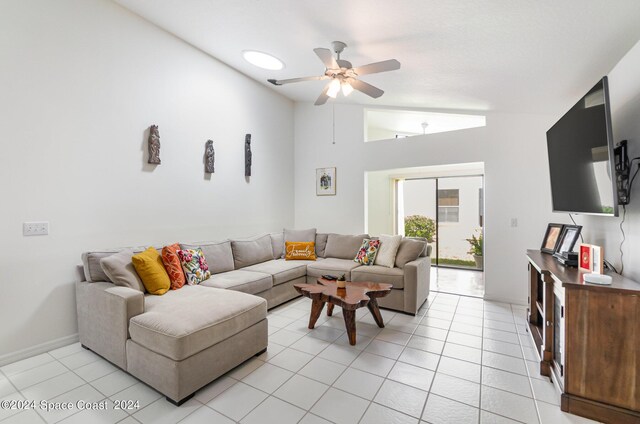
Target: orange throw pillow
[[172, 265], [298, 250]]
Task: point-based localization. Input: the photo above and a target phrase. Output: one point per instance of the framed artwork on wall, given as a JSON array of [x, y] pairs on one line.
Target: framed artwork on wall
[[551, 238], [325, 181]]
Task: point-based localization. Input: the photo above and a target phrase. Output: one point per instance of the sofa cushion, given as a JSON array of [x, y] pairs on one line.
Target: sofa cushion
[[218, 254], [91, 263], [343, 246], [426, 252], [409, 250], [184, 322], [150, 269], [379, 274], [240, 280], [332, 266], [194, 265], [321, 244], [247, 252], [388, 249], [281, 270], [368, 252], [277, 244], [173, 266], [299, 250], [120, 271]]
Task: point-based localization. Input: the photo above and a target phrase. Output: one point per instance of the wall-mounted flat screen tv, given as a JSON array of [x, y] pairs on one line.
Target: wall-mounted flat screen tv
[[580, 147]]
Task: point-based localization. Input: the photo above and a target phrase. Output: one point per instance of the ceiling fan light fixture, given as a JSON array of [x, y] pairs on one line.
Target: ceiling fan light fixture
[[263, 60], [334, 87], [346, 88]]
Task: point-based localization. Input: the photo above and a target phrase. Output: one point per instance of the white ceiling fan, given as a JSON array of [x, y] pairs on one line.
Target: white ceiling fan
[[343, 75]]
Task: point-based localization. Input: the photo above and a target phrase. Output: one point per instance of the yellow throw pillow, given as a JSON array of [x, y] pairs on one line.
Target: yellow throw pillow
[[150, 268], [299, 250]]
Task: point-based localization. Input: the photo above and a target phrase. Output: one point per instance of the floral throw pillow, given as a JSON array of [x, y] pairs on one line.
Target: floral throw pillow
[[368, 251], [194, 265]]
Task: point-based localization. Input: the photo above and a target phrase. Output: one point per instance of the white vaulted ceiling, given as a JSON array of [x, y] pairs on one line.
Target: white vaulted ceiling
[[501, 55]]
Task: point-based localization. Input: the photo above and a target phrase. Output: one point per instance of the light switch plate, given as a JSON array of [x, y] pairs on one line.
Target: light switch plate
[[35, 228]]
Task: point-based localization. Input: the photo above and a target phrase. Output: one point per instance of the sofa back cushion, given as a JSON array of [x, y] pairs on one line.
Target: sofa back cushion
[[173, 266], [277, 244], [343, 246], [218, 254], [409, 250], [388, 250], [150, 269], [321, 244], [251, 251], [120, 271]]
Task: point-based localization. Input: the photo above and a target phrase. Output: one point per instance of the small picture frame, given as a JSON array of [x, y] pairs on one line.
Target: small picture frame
[[585, 260], [551, 238], [597, 259], [568, 238], [325, 181]]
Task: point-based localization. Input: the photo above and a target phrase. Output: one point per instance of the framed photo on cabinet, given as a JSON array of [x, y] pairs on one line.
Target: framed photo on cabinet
[[551, 238]]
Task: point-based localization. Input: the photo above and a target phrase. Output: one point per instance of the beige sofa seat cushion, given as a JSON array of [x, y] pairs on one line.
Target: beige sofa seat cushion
[[332, 266], [184, 322], [240, 280], [343, 246], [281, 270], [218, 255], [379, 274], [247, 252]]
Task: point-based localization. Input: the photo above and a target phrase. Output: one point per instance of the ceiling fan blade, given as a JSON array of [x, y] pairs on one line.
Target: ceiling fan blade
[[367, 89], [374, 68], [327, 58], [322, 99], [289, 81]]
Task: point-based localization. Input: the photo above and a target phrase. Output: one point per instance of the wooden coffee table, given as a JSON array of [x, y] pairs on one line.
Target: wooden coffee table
[[355, 295]]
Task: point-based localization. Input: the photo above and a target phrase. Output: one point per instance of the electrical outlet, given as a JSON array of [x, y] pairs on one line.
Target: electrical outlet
[[514, 222], [35, 228]]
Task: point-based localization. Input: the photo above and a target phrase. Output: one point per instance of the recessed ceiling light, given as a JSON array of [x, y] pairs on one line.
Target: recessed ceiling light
[[262, 60]]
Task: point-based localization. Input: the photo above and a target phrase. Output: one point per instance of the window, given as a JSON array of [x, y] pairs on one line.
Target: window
[[449, 205]]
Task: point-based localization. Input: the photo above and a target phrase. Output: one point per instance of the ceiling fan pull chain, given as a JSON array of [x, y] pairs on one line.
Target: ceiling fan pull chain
[[334, 122]]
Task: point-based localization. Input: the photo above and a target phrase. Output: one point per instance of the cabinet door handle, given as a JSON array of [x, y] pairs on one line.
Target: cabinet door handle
[[548, 323]]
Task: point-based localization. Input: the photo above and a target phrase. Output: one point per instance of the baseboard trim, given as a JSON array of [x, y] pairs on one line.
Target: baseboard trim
[[37, 349]]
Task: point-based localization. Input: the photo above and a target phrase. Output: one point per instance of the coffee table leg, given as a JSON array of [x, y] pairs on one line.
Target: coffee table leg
[[350, 323], [316, 310], [329, 309], [375, 311]]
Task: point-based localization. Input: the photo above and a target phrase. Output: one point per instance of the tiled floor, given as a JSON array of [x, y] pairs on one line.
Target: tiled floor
[[461, 360], [464, 282]]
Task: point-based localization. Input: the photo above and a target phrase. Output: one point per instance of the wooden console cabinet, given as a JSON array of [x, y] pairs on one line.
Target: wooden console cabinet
[[588, 338]]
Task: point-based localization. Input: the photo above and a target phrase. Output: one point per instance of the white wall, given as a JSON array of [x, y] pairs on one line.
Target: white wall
[[512, 147], [81, 83], [624, 93]]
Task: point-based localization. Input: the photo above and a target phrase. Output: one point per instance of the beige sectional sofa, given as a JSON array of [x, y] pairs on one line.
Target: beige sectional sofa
[[186, 338]]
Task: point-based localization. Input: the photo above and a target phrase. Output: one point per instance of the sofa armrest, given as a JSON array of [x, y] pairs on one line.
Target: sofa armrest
[[417, 280], [104, 311]]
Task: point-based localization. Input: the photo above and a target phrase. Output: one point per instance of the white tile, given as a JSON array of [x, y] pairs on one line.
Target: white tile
[[431, 332], [393, 336], [129, 420], [367, 329], [53, 387], [448, 316], [500, 325], [237, 401], [426, 344], [313, 419], [214, 388], [66, 350], [95, 370], [322, 370], [386, 349], [401, 319], [530, 354], [246, 368], [374, 364], [464, 353], [461, 369], [113, 383], [487, 417], [272, 350], [464, 339], [326, 333], [474, 330], [35, 375], [467, 311], [504, 362], [503, 336], [301, 391], [101, 416], [85, 393], [80, 358], [362, 341], [341, 354], [401, 397], [436, 322], [286, 337], [468, 319], [553, 414], [5, 413], [294, 313], [534, 371], [510, 405], [163, 412], [291, 359], [274, 411], [455, 388], [300, 326], [545, 391], [440, 410], [267, 378], [496, 316], [359, 383], [508, 381], [139, 392], [279, 321], [6, 387], [206, 415], [502, 347], [27, 417], [420, 358], [411, 375], [310, 345], [26, 364], [378, 414], [340, 407]]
